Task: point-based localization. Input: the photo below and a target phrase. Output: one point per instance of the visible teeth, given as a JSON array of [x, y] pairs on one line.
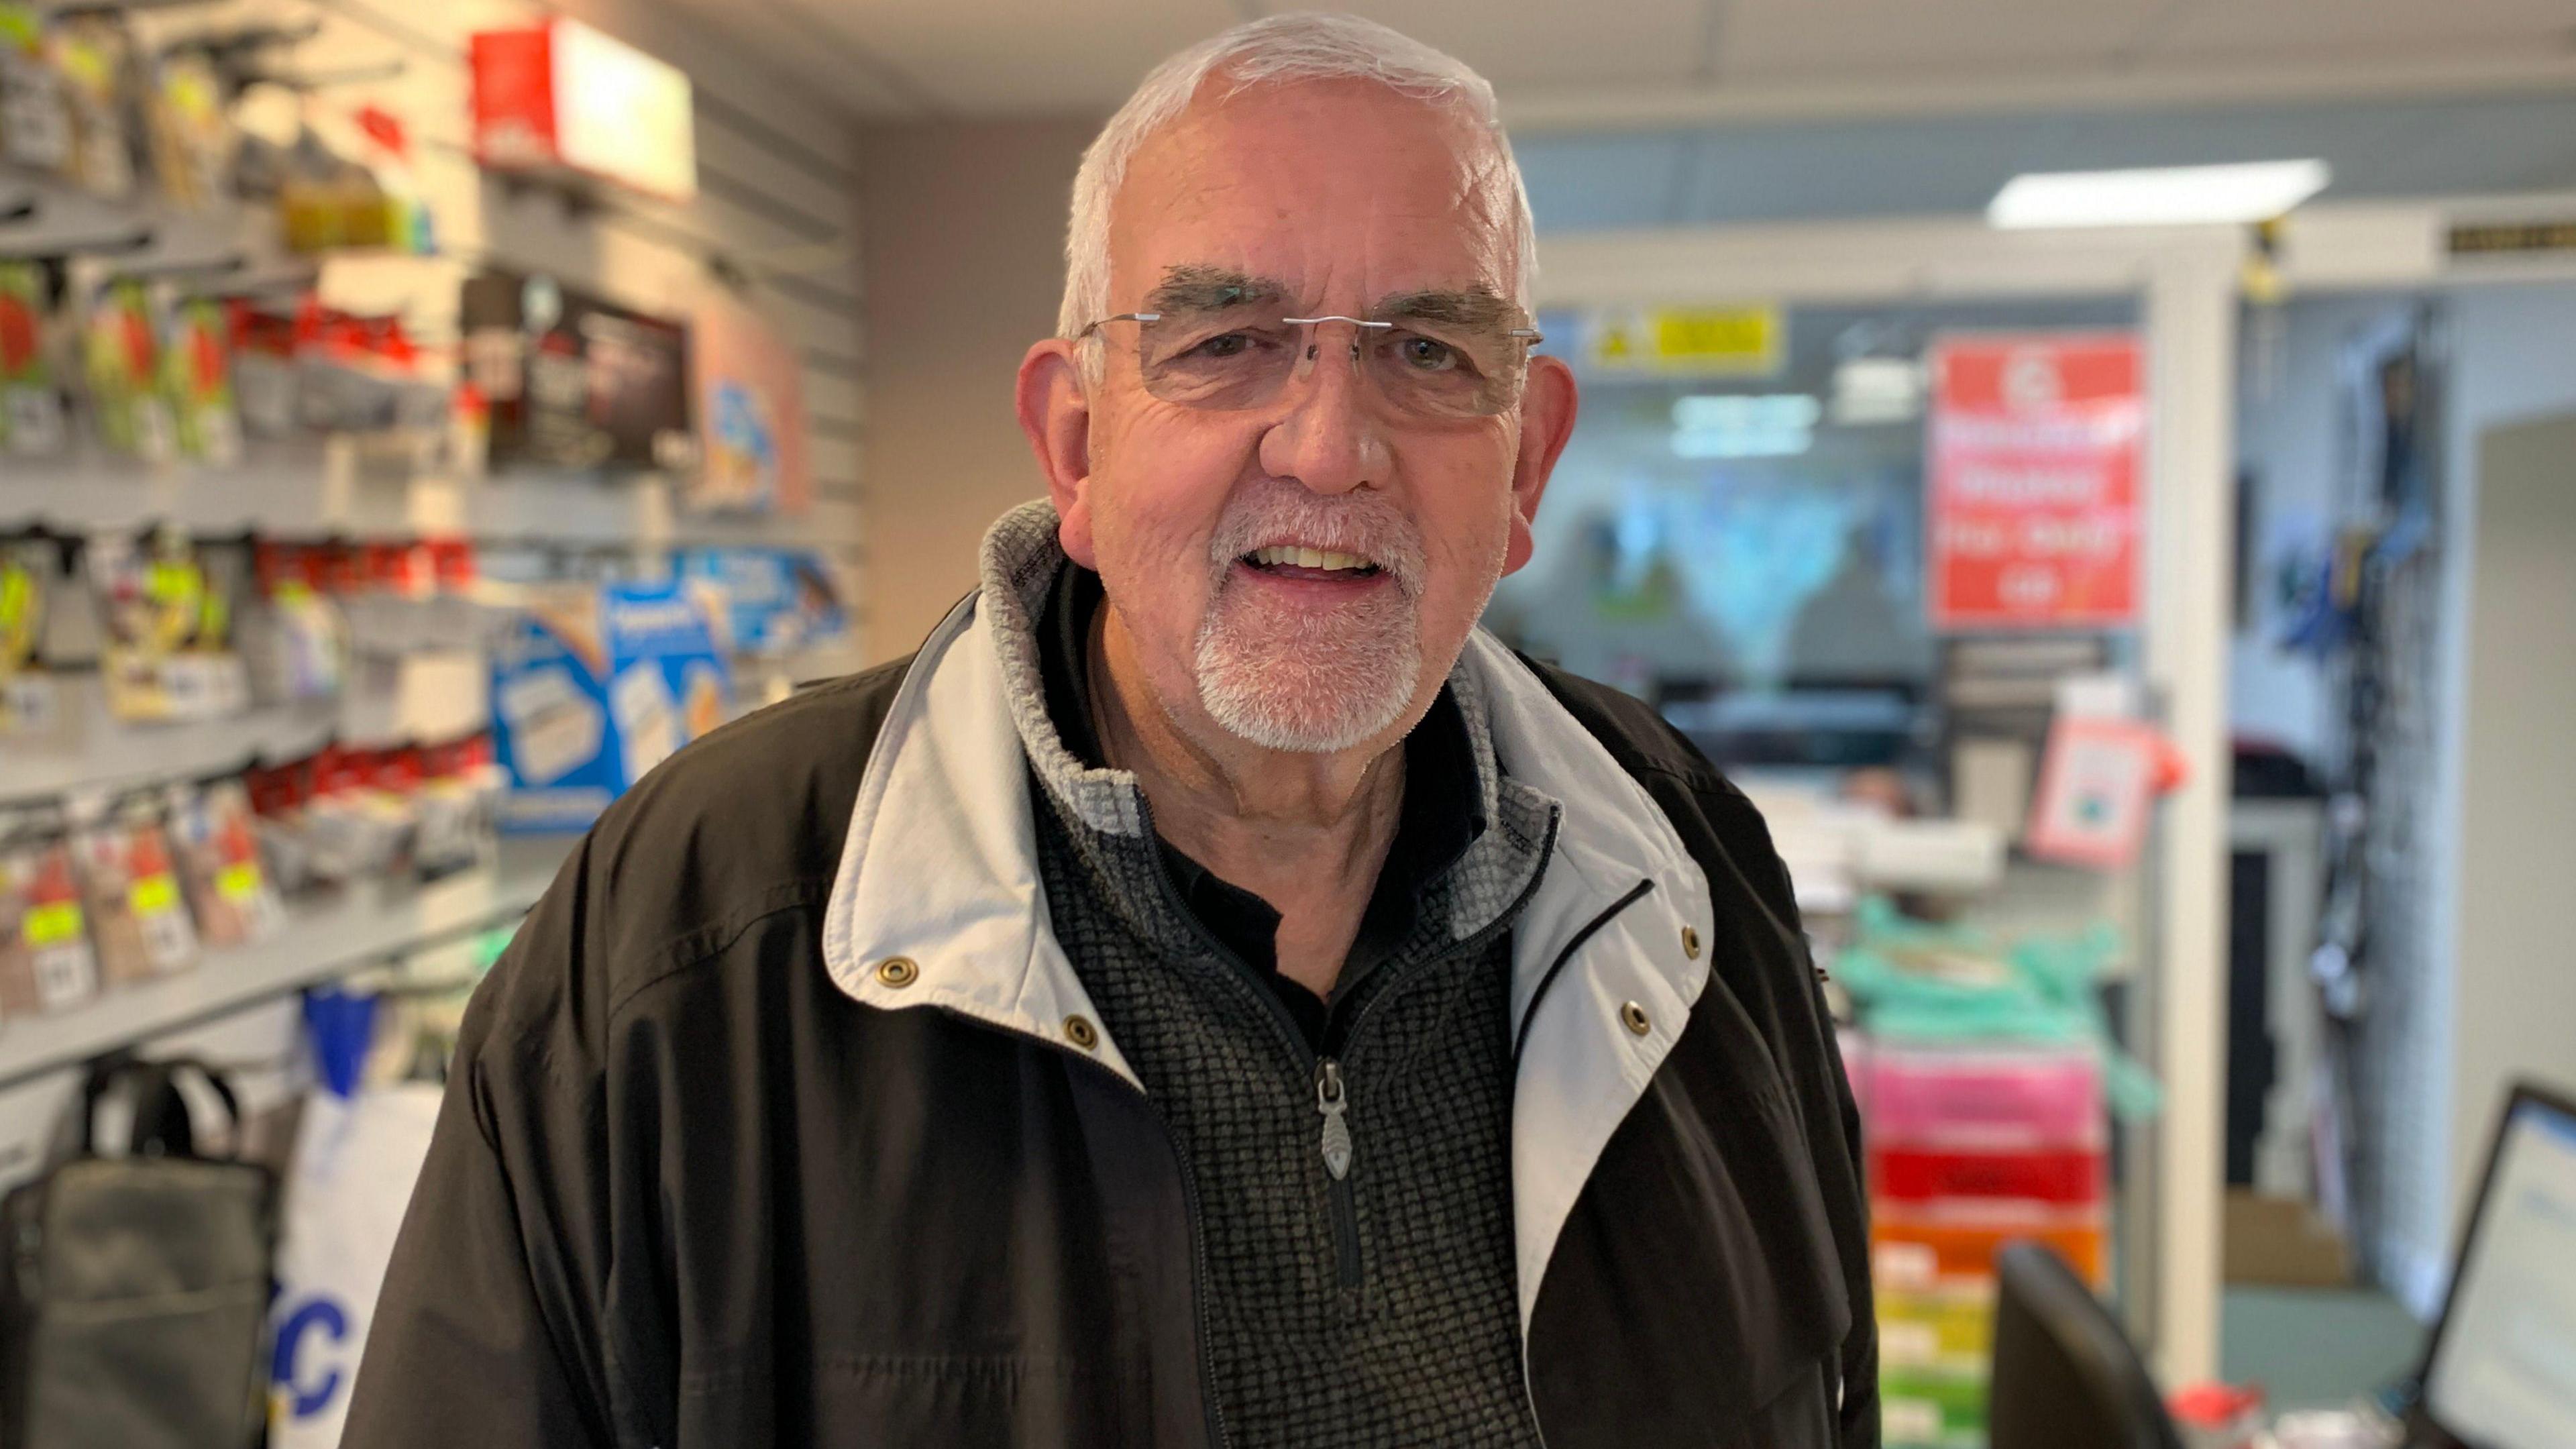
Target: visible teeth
[[1308, 558]]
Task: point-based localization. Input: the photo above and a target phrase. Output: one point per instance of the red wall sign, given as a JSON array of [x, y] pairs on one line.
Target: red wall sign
[[2037, 455]]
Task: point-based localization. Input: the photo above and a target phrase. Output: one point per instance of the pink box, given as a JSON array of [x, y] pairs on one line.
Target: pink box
[[1984, 1097]]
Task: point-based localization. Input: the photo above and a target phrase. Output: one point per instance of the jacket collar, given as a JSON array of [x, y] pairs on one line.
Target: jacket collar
[[939, 868]]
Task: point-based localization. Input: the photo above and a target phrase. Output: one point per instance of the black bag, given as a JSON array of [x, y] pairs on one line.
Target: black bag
[[134, 1311]]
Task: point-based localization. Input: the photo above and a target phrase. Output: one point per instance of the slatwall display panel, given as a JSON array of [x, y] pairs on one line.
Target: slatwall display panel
[[774, 223]]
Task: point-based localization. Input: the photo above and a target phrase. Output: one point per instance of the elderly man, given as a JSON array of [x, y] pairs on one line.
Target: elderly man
[[1209, 995]]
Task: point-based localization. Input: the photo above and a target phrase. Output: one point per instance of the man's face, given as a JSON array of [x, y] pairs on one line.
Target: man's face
[[1301, 572]]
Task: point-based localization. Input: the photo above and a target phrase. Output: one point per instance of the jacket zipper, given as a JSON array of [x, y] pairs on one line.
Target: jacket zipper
[[1341, 1196], [1332, 1102]]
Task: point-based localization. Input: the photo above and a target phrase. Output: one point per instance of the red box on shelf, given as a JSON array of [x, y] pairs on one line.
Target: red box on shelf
[[2064, 1177]]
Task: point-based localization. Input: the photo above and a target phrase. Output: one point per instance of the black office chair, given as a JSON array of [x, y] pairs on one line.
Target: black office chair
[[2065, 1376]]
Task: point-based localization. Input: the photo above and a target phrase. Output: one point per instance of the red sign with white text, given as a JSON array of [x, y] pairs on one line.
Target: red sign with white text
[[2036, 471]]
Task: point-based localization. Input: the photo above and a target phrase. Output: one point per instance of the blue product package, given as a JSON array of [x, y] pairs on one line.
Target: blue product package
[[776, 599], [594, 685]]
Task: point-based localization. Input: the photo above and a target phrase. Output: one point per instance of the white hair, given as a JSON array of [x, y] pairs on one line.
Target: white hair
[[1299, 46]]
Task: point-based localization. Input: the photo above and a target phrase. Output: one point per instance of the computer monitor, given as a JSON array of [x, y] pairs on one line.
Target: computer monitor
[[2501, 1372]]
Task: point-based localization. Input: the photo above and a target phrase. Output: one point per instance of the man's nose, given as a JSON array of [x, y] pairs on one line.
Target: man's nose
[[1329, 438]]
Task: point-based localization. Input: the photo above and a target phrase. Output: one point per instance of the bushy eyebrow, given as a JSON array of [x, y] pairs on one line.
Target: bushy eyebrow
[[1476, 306], [1192, 287]]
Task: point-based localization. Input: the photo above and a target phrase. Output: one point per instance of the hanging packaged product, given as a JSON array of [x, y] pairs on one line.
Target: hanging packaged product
[[574, 382], [263, 369], [192, 139], [196, 376], [95, 54], [167, 653], [327, 201], [35, 117], [455, 807], [121, 358], [45, 960], [593, 686], [31, 399], [33, 709], [215, 843], [346, 183], [138, 916], [358, 374], [359, 821], [295, 638], [279, 795]]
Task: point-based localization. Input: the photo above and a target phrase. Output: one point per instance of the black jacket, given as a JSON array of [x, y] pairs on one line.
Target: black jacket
[[692, 1189]]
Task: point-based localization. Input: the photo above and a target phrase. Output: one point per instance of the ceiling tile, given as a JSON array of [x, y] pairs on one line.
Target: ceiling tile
[[2326, 28], [995, 57], [1542, 43], [1825, 39]]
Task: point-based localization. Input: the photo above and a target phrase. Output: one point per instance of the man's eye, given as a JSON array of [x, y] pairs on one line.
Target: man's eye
[[1423, 354], [1223, 345]]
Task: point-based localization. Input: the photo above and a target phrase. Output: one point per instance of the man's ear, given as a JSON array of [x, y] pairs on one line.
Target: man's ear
[[1548, 406], [1055, 412]]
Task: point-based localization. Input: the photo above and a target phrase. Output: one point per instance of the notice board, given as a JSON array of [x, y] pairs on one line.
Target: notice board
[[2035, 471]]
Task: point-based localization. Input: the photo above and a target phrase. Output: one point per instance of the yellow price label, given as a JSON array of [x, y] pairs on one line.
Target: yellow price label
[[238, 882], [153, 895], [53, 924]]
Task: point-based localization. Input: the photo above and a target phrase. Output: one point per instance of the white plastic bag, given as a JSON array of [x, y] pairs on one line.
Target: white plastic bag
[[356, 1159]]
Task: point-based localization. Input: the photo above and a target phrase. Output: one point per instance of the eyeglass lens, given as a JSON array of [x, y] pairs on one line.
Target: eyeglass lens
[[1230, 359]]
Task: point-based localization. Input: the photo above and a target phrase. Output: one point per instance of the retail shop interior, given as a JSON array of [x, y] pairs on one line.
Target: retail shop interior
[[2145, 633]]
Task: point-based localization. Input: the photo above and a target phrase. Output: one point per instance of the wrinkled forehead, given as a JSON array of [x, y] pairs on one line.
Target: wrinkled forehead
[[1337, 195]]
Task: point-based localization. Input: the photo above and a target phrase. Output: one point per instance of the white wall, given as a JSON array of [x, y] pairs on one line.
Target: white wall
[[2515, 1010], [965, 267]]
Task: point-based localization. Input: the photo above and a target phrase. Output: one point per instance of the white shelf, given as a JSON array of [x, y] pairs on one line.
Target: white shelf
[[315, 488], [104, 752], [362, 926]]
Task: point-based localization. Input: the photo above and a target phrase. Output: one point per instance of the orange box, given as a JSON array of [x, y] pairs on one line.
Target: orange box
[[1910, 1252]]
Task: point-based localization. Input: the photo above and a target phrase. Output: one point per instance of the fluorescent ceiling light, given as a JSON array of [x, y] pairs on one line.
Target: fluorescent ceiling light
[[2157, 196], [1746, 412], [1740, 425]]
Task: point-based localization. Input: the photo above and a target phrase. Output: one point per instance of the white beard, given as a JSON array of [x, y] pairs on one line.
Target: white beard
[[1309, 684]]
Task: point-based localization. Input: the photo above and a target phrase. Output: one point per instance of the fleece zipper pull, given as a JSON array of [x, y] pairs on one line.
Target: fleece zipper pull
[[1332, 1103]]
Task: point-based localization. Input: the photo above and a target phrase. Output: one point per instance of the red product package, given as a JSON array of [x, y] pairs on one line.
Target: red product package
[[46, 963], [138, 916], [215, 841]]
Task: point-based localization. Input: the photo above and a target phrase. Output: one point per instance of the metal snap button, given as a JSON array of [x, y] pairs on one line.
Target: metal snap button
[[1690, 942], [1636, 1018], [898, 971], [1080, 1031]]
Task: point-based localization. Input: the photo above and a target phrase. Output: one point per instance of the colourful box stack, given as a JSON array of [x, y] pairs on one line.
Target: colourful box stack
[[1970, 1147]]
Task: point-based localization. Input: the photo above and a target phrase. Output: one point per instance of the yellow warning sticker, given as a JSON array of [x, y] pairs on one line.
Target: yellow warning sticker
[[1730, 341]]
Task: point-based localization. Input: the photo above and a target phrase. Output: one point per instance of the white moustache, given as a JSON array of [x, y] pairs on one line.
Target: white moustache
[[1364, 524]]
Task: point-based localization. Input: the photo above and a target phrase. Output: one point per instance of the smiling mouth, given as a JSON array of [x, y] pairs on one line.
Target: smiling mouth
[[1290, 560]]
